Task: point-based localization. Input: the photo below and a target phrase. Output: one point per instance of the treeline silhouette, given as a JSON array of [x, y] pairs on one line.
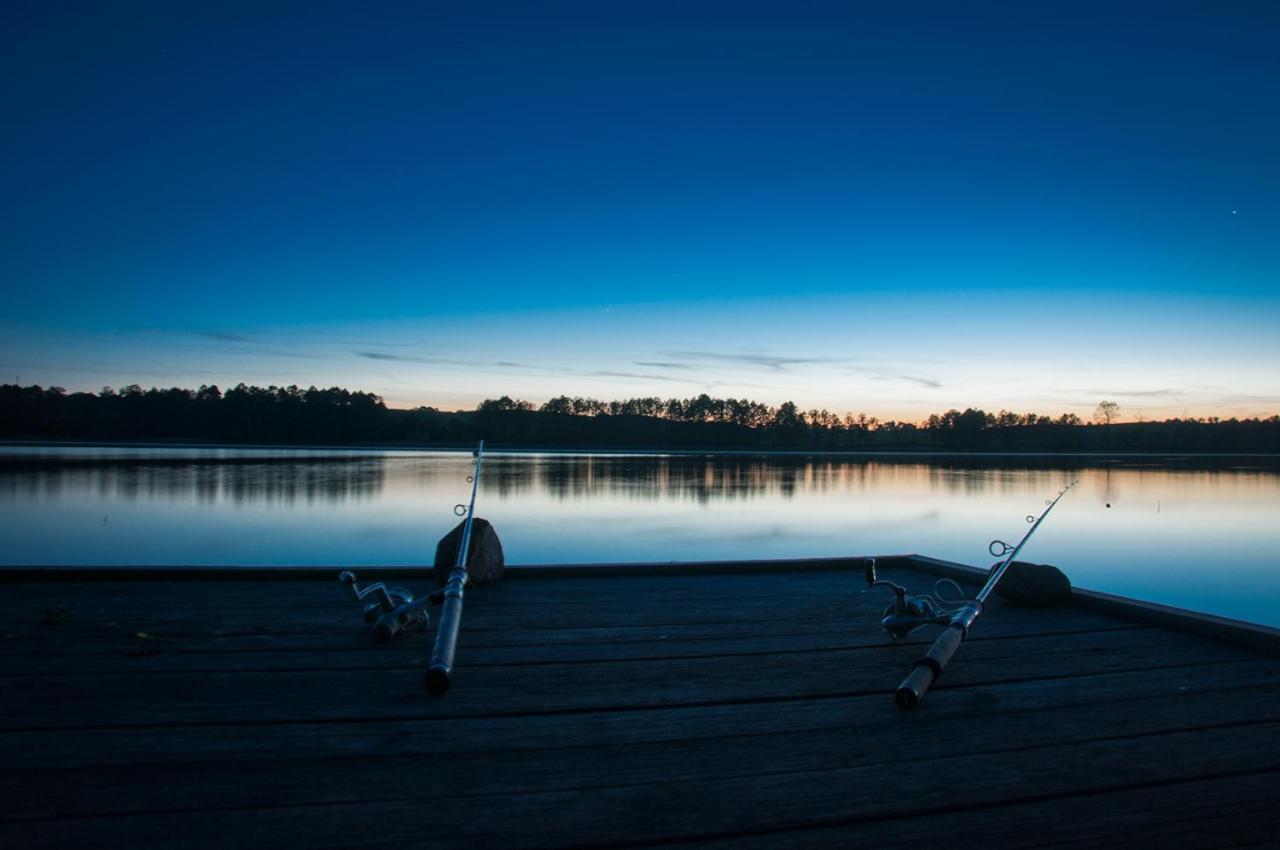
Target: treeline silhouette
[[335, 416]]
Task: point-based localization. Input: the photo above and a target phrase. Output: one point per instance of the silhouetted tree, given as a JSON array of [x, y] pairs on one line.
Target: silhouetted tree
[[504, 404], [561, 404], [1107, 412], [334, 415], [787, 417]]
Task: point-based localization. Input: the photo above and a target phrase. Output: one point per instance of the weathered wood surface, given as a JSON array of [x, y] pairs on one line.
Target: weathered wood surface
[[712, 710]]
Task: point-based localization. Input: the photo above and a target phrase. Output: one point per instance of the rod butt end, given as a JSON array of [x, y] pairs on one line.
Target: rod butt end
[[912, 689], [437, 682]]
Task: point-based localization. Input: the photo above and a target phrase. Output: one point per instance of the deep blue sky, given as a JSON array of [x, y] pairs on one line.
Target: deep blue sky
[[893, 211]]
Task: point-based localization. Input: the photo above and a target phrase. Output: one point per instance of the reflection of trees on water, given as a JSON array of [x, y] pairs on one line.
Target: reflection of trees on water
[[206, 483], [698, 479], [707, 479], [649, 478], [703, 479]]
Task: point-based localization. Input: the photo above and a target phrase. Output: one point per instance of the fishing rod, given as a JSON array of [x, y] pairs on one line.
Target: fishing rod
[[437, 677], [908, 613]]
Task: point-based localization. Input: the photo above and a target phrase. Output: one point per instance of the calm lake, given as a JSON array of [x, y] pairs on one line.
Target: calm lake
[[1200, 534]]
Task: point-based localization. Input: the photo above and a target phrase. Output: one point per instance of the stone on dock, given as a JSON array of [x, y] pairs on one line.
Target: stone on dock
[[1035, 585], [485, 561]]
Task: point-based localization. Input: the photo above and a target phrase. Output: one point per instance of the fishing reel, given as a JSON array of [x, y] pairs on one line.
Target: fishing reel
[[393, 610], [906, 612]]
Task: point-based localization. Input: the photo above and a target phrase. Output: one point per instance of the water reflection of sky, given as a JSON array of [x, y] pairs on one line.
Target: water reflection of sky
[[1201, 538]]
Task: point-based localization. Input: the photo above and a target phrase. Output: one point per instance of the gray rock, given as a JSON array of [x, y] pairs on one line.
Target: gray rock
[[485, 562], [1035, 585]]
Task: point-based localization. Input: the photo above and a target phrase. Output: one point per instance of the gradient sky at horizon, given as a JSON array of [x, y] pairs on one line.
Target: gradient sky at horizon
[[896, 212]]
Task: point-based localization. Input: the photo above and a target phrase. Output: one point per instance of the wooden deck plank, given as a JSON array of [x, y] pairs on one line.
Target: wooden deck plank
[[1213, 813], [598, 711], [297, 739], [324, 598], [529, 604], [61, 700], [130, 655], [73, 648], [488, 627], [254, 778], [671, 808]]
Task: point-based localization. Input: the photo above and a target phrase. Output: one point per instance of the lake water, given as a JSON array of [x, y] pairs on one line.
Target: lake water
[[1193, 533]]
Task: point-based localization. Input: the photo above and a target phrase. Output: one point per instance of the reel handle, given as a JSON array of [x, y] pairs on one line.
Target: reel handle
[[393, 610], [929, 668]]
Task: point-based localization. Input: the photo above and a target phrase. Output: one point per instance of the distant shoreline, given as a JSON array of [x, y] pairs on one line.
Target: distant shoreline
[[491, 448], [339, 419]]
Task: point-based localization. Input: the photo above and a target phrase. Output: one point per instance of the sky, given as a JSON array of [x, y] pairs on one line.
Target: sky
[[890, 210]]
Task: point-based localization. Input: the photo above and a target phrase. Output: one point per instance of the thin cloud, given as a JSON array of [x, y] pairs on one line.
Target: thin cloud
[[570, 371], [1246, 397], [898, 376], [769, 361], [1161, 393], [782, 363], [893, 375], [401, 358], [772, 362], [604, 373], [125, 373], [663, 365], [384, 356], [250, 348], [223, 336]]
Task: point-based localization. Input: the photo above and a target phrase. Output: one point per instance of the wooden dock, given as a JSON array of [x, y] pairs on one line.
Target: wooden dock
[[742, 705]]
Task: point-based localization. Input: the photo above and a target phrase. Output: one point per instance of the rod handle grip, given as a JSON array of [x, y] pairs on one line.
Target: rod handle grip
[[442, 654], [928, 668]]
